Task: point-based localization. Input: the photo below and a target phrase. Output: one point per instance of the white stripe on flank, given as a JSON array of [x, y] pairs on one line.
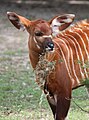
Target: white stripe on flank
[[65, 61], [81, 51], [83, 41], [72, 62], [73, 59], [68, 52], [67, 35], [87, 39], [73, 66]]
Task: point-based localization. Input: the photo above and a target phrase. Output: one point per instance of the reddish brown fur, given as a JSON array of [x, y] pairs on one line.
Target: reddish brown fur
[[59, 83]]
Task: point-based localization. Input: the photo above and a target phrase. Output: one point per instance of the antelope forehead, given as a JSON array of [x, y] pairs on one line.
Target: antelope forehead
[[44, 27]]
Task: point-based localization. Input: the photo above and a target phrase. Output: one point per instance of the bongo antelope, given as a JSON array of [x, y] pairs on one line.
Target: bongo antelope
[[68, 45]]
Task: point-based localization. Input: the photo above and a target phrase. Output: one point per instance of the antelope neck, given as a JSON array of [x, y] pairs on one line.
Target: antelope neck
[[34, 56]]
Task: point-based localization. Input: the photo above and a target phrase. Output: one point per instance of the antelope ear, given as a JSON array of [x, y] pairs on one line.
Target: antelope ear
[[18, 21], [61, 22]]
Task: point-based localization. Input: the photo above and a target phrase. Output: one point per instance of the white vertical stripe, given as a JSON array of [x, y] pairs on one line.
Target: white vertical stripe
[[73, 66], [81, 51], [71, 53], [73, 60], [87, 39], [65, 61], [82, 40], [73, 41]]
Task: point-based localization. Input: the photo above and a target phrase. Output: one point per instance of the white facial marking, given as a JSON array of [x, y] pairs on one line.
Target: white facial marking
[[38, 46], [36, 43], [35, 40], [48, 49], [47, 36]]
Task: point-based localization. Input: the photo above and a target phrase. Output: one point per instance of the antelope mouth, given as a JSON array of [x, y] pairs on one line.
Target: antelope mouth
[[48, 44], [50, 47]]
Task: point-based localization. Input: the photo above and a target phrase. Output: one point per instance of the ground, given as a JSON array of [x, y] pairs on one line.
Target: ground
[[19, 95]]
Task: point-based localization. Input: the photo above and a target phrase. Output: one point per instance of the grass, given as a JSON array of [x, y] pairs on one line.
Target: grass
[[20, 96]]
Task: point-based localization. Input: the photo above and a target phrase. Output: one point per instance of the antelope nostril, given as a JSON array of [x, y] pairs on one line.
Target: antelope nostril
[[48, 45], [51, 45]]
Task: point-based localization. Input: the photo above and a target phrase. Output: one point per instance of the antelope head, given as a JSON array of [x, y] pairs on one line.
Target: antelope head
[[41, 32]]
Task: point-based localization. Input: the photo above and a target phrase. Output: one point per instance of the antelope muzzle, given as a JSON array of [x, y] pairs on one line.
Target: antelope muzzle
[[48, 44]]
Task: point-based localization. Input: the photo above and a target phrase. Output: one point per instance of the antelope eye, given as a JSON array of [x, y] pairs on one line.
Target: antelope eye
[[38, 33]]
